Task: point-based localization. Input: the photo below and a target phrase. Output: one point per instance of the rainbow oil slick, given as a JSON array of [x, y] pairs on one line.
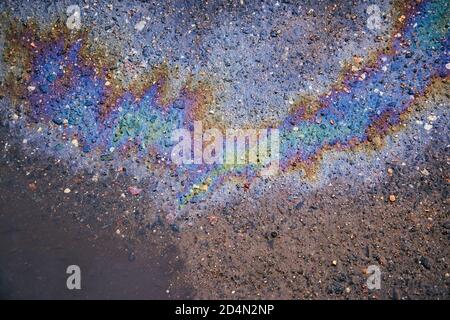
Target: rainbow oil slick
[[63, 83]]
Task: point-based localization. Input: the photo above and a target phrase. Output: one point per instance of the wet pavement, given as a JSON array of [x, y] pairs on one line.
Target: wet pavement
[[39, 242], [358, 93]]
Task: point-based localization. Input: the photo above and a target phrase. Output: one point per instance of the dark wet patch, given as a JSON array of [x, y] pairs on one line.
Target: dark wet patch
[[40, 238]]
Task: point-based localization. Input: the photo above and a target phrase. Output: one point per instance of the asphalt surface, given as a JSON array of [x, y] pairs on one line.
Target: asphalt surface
[[359, 96]]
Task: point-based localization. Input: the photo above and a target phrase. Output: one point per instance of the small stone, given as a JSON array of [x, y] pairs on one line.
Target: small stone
[[134, 190], [427, 126], [334, 263], [57, 121], [392, 198], [75, 143], [67, 190], [274, 234], [86, 148], [274, 33], [390, 172], [447, 66], [425, 262], [140, 25]]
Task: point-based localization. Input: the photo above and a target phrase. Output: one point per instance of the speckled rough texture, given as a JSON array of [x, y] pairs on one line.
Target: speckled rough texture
[[87, 117]]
